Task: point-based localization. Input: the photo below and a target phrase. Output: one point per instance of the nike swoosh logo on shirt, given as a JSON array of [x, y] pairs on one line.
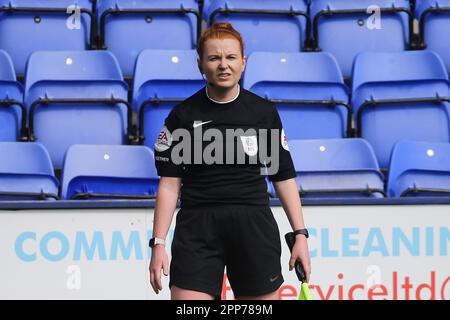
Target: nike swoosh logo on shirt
[[198, 124], [274, 278]]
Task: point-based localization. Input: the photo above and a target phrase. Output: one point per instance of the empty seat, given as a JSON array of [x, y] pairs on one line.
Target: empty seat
[[347, 27], [12, 110], [308, 90], [400, 96], [269, 25], [162, 78], [29, 25], [336, 168], [434, 16], [419, 169], [26, 172], [76, 97], [128, 27], [270, 188], [109, 172]]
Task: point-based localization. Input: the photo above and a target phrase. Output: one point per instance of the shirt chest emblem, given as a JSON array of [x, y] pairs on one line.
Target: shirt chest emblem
[[250, 145]]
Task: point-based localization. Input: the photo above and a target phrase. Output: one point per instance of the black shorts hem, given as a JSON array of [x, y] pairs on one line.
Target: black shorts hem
[[196, 285], [259, 291]]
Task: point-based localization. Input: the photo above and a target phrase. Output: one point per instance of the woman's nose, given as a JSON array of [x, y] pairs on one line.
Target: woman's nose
[[223, 64]]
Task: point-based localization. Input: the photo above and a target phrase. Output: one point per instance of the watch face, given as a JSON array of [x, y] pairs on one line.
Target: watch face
[[154, 241]]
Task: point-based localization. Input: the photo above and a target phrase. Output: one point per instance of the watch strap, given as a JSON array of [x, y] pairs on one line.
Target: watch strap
[[302, 231]]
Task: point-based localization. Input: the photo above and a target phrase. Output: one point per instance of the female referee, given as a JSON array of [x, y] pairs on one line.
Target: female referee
[[225, 219]]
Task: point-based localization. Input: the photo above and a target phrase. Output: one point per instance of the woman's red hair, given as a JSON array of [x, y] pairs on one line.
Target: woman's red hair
[[222, 30]]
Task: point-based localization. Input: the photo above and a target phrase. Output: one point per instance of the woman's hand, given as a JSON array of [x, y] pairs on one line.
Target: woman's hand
[[300, 252], [158, 262]]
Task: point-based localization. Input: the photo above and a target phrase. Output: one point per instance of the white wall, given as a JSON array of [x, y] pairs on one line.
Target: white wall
[[102, 253]]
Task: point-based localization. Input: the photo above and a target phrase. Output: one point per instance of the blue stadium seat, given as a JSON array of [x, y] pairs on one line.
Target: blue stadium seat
[[29, 25], [76, 97], [419, 169], [12, 110], [128, 27], [400, 96], [434, 17], [270, 188], [162, 78], [344, 28], [269, 25], [308, 90], [334, 168], [109, 172], [26, 172]]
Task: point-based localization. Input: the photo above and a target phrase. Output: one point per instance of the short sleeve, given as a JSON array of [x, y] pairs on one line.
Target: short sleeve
[[164, 145], [286, 168]]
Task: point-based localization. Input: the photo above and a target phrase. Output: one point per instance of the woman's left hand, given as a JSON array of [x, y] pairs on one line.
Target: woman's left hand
[[300, 252]]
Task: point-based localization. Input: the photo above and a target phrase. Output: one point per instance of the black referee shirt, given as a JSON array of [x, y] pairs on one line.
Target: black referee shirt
[[222, 179]]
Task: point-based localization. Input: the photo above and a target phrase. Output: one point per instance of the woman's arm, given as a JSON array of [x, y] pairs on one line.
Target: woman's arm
[[166, 202], [287, 192]]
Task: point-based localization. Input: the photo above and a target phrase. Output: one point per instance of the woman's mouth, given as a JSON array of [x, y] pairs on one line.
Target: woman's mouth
[[224, 75]]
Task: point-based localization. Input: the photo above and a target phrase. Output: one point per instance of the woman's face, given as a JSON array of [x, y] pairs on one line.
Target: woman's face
[[222, 62]]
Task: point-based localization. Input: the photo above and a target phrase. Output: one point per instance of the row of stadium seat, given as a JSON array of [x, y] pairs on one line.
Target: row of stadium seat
[[348, 168], [340, 27], [394, 96], [79, 97], [90, 171], [331, 168]]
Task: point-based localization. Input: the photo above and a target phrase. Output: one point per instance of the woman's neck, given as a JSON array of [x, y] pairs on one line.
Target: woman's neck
[[222, 96]]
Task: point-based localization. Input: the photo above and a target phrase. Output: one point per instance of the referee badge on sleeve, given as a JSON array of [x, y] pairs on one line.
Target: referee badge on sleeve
[[250, 145], [164, 140], [284, 142]]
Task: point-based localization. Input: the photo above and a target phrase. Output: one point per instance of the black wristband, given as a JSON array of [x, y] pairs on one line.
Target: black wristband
[[302, 231]]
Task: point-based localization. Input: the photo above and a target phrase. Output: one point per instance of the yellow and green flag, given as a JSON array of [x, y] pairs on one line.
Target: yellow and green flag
[[304, 293]]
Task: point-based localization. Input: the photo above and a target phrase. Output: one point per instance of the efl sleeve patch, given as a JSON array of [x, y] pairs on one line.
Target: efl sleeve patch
[[284, 142], [164, 140]]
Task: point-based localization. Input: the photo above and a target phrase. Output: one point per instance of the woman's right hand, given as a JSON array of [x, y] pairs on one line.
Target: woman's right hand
[[158, 262]]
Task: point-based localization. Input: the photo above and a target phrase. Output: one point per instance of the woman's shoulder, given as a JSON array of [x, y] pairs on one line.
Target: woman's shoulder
[[189, 102], [200, 94], [256, 101]]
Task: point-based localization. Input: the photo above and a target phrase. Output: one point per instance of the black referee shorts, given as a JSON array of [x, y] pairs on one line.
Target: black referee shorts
[[245, 239]]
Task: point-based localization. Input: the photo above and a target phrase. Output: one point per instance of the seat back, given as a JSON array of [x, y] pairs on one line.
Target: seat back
[[10, 113], [290, 77], [336, 168], [261, 30], [411, 84], [346, 27], [80, 76], [167, 77], [108, 171], [128, 27], [422, 168], [26, 172], [28, 25], [434, 16]]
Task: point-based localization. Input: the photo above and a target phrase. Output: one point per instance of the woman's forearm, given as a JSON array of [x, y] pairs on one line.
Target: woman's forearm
[[288, 194], [166, 203]]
